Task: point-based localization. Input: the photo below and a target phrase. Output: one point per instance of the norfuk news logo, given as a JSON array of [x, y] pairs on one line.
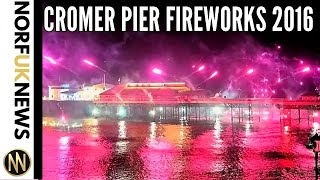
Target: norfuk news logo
[[17, 162]]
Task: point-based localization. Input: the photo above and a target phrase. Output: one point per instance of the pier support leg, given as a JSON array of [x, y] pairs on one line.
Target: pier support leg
[[206, 111], [239, 113], [231, 113], [250, 112], [259, 112], [299, 115]]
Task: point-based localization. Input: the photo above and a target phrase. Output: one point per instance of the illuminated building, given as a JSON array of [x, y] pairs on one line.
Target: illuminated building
[[89, 93], [145, 91], [84, 93], [55, 91]]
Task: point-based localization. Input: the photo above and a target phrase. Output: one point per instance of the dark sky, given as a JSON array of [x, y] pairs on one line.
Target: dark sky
[[296, 43]]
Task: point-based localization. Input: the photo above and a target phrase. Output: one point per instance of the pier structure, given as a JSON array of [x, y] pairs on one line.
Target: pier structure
[[175, 101]]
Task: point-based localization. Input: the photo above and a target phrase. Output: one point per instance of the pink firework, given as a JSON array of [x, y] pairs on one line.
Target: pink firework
[[250, 71], [89, 62], [201, 68], [50, 59], [306, 69], [157, 71], [213, 74]]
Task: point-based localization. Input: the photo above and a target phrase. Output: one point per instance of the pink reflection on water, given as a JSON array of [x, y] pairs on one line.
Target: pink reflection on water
[[159, 158], [203, 155], [73, 155], [216, 149]]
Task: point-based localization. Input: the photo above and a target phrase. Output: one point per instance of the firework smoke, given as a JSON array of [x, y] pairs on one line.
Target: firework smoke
[[129, 56]]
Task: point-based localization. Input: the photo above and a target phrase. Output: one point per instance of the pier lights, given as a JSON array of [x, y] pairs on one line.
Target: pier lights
[[152, 113], [95, 112], [62, 118], [122, 112], [217, 110]]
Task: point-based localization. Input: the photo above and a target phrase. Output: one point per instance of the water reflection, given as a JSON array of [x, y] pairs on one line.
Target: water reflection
[[122, 129], [217, 143], [121, 144], [153, 128], [63, 156], [216, 149]]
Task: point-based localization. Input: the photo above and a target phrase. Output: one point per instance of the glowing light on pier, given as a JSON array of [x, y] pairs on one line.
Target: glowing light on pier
[[152, 112], [122, 113], [95, 112], [217, 110], [76, 125]]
